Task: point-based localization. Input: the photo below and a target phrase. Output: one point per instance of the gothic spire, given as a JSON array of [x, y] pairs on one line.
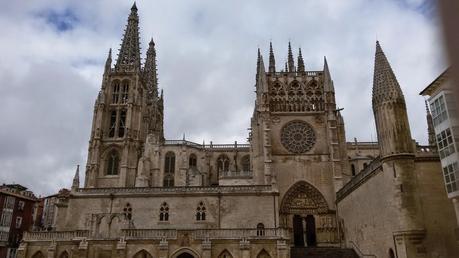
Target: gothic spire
[[291, 63], [385, 84], [108, 63], [151, 75], [272, 61], [129, 55], [430, 126], [261, 73], [300, 61], [76, 179], [328, 82]]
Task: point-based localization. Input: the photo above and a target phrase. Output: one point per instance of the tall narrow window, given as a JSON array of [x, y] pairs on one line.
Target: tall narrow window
[[169, 169], [260, 229], [164, 212], [122, 123], [445, 143], [201, 212], [223, 163], [193, 161], [115, 92], [125, 92], [353, 169], [113, 161], [451, 179], [111, 130], [245, 162]]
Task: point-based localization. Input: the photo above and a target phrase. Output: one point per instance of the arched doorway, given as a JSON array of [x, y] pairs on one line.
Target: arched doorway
[[301, 206], [185, 255]]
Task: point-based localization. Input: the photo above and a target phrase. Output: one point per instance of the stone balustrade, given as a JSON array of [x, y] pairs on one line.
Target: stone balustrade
[[211, 146], [236, 174], [156, 234], [267, 233], [175, 190], [55, 235]]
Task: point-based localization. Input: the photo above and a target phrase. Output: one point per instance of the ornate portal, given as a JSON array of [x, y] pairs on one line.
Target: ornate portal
[[298, 137]]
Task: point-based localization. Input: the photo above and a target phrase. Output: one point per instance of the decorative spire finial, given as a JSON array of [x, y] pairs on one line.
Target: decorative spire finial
[[108, 63], [430, 126], [272, 61], [129, 55], [291, 63], [300, 61]]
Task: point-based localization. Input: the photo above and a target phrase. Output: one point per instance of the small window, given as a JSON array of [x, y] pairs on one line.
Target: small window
[[127, 211], [260, 229], [246, 163], [201, 212], [113, 161], [111, 129], [450, 174], [21, 205], [122, 123], [445, 143], [125, 92], [18, 222], [223, 164], [353, 169], [164, 212], [193, 161], [115, 92]]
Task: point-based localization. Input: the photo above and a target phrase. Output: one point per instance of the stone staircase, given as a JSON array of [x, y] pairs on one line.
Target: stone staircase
[[322, 252]]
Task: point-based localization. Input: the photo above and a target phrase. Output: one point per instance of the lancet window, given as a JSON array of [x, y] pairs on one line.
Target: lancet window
[[125, 92], [223, 163], [127, 211], [164, 212], [245, 162], [113, 161], [193, 161], [115, 92]]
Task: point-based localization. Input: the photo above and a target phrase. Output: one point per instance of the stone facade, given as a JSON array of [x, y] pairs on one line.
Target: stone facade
[[146, 196]]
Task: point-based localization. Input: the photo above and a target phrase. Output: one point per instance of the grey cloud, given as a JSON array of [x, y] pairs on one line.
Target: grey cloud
[[206, 58]]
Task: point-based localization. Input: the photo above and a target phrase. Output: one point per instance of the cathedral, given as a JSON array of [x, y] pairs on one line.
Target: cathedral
[[296, 189]]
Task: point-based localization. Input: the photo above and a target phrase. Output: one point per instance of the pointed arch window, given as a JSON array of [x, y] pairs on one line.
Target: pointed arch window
[[122, 123], [223, 163], [64, 254], [169, 163], [125, 92], [113, 162], [193, 161], [245, 162], [260, 229], [164, 212], [115, 92], [225, 254], [201, 212]]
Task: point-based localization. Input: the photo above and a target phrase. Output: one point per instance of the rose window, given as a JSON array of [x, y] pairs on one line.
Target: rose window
[[298, 137]]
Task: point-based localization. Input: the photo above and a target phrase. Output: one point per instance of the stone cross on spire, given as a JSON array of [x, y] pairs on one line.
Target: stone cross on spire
[[385, 84], [129, 55]]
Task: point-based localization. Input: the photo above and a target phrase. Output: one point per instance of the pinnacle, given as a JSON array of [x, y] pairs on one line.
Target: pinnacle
[[151, 42], [272, 61], [385, 84], [134, 7]]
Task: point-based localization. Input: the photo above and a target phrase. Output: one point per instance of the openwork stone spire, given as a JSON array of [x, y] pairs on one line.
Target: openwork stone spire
[[300, 61], [151, 76], [430, 126], [129, 55], [328, 83], [76, 179], [385, 84], [108, 63], [272, 61], [290, 62]]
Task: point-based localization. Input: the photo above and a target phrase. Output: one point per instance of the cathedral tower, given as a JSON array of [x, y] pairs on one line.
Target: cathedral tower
[[127, 109]]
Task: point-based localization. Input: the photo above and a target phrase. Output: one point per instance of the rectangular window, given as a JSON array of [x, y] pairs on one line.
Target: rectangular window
[[21, 205], [18, 222], [445, 143], [438, 110], [451, 177], [9, 203], [6, 218]]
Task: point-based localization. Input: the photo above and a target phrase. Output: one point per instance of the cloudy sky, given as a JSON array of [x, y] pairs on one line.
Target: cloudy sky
[[53, 51]]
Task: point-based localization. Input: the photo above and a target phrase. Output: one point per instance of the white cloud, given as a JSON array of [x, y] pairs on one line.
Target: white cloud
[[206, 56]]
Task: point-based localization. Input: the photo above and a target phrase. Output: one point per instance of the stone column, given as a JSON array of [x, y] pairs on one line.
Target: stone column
[[121, 248], [163, 248], [52, 250], [206, 248], [282, 249], [244, 245]]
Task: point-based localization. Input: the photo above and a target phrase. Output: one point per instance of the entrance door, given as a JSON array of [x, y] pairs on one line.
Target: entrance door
[[298, 233], [311, 231]]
